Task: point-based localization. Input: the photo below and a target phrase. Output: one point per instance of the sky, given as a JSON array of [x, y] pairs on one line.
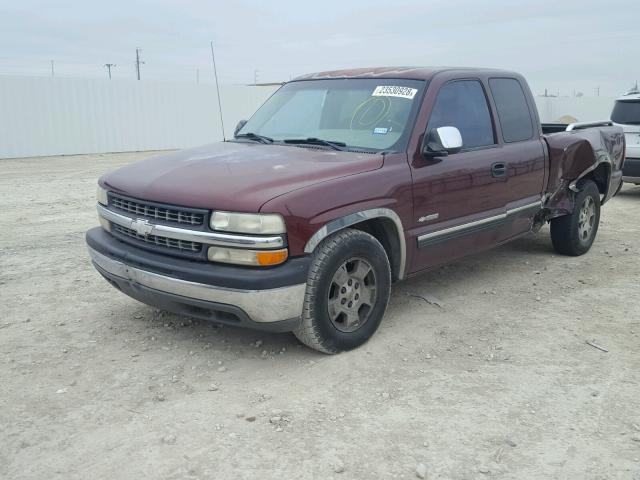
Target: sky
[[564, 46]]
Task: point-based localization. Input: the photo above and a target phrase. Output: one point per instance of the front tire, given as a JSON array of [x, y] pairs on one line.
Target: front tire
[[574, 234], [347, 292]]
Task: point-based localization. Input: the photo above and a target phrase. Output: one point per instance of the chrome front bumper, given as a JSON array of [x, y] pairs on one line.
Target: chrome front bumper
[[261, 306]]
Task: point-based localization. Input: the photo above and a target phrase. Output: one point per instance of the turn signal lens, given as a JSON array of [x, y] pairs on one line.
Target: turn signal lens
[[273, 257], [239, 256], [105, 223]]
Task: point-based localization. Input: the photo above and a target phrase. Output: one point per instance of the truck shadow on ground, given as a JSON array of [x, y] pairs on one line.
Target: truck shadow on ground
[[629, 191], [483, 268]]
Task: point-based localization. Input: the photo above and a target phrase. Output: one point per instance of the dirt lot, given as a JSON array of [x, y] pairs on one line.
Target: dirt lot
[[496, 382]]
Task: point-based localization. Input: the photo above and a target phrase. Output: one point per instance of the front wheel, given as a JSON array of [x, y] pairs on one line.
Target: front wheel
[[574, 234], [347, 292]]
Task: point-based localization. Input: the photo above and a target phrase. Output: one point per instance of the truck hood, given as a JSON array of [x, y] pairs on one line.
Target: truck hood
[[232, 175]]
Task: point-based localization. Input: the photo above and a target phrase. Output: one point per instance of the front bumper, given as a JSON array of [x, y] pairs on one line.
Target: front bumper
[[631, 170], [267, 298]]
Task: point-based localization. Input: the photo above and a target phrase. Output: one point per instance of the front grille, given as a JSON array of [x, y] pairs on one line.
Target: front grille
[[157, 212], [184, 246]]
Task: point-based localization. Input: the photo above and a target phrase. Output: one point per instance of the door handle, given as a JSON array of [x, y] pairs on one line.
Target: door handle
[[499, 170]]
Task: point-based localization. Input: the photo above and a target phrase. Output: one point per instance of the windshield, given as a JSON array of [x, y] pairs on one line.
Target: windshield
[[375, 114], [626, 112]]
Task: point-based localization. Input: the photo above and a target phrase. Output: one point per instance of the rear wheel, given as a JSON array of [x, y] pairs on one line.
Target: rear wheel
[[347, 292], [574, 234]]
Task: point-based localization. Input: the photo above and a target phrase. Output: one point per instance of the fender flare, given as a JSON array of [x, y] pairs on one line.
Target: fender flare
[[357, 217]]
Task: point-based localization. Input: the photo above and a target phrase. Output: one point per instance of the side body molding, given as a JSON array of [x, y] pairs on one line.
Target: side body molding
[[357, 217]]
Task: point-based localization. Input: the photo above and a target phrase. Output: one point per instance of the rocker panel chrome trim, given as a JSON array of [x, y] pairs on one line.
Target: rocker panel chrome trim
[[478, 223]]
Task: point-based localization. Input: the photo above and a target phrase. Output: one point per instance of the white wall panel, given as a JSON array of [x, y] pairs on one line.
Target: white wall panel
[[585, 109], [65, 116]]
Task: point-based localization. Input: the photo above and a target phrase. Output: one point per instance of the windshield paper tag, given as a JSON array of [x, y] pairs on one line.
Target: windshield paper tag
[[391, 91], [380, 131]]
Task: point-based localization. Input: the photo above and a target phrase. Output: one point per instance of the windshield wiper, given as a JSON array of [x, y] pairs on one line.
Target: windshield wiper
[[254, 136], [316, 141]]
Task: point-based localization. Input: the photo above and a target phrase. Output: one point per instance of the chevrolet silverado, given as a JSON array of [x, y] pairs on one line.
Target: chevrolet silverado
[[342, 183]]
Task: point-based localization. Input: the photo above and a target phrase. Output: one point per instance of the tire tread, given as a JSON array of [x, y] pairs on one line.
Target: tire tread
[[563, 236], [307, 332]]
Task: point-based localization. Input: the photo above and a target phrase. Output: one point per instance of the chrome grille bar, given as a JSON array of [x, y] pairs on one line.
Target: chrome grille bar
[[143, 227], [182, 245]]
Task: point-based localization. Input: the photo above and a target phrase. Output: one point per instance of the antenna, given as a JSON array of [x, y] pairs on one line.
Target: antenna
[[215, 75]]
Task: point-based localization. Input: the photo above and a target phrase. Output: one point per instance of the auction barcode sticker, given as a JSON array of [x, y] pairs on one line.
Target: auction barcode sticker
[[391, 91]]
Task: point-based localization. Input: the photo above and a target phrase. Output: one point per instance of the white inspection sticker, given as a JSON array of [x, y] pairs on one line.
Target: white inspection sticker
[[391, 91]]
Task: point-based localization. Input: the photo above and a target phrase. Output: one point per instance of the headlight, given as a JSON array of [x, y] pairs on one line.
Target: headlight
[[248, 222], [240, 256], [102, 196]]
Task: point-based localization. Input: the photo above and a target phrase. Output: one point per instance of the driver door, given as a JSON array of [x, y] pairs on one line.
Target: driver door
[[459, 199]]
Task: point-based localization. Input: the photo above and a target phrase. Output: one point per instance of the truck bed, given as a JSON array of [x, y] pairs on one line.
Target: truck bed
[[577, 149]]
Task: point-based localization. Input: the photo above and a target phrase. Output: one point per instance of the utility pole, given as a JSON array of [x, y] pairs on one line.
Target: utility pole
[[597, 90], [138, 62], [109, 66], [255, 77], [53, 73], [198, 75]]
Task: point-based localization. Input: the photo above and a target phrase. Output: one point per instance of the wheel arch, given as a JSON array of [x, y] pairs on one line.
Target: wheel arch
[[601, 176], [382, 223]]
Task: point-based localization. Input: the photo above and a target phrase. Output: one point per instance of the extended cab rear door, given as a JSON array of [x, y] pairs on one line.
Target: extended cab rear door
[[522, 148]]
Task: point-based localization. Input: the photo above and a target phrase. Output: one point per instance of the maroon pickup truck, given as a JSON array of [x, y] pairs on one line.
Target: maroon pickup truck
[[342, 183]]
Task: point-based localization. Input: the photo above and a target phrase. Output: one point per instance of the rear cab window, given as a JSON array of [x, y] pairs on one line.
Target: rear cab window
[[514, 114]]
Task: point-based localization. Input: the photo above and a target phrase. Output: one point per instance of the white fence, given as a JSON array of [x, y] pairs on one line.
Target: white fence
[[65, 116], [584, 109]]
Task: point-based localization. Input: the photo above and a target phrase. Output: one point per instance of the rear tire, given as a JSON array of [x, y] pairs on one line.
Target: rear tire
[[347, 292], [574, 234]]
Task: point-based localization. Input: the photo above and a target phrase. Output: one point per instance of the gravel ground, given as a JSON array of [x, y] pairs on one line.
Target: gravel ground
[[489, 377]]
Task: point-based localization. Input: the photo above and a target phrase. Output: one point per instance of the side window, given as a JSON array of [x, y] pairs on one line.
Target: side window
[[513, 111], [462, 104]]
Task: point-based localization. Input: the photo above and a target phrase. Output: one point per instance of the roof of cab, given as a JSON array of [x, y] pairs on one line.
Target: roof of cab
[[412, 73]]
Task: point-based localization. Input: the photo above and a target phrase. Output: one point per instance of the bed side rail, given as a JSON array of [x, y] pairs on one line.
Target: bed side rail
[[583, 125]]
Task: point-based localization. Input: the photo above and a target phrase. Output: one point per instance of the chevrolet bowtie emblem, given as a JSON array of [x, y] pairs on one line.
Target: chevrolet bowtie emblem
[[142, 226]]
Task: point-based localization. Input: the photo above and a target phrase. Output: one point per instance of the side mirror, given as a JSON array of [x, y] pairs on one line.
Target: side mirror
[[441, 141], [239, 126]]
